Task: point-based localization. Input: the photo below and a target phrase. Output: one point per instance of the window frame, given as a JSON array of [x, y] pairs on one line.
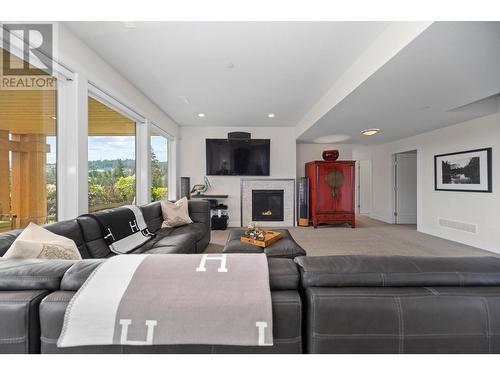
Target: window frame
[[114, 104], [170, 140]]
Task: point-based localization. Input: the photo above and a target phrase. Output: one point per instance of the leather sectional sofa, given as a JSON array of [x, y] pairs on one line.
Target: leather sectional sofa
[[338, 304], [87, 234], [333, 304]]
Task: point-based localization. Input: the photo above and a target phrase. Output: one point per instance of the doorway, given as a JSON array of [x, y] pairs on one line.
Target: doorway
[[405, 187], [363, 187]]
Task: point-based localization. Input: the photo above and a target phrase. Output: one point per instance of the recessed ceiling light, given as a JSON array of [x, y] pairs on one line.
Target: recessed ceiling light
[[371, 131], [271, 115], [201, 115]]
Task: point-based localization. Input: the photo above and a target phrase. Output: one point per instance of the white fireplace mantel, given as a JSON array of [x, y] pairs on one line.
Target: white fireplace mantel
[[287, 185]]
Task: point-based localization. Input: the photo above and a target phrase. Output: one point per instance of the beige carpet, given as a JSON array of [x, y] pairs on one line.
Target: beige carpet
[[370, 237]]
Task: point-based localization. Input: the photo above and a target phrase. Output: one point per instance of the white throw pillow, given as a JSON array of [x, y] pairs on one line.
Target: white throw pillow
[[37, 242], [175, 214]]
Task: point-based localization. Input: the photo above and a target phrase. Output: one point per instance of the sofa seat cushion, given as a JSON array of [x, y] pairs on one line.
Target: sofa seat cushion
[[176, 243], [171, 243], [198, 229], [399, 271], [165, 250]]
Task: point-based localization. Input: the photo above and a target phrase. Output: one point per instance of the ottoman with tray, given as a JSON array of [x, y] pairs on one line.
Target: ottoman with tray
[[286, 247]]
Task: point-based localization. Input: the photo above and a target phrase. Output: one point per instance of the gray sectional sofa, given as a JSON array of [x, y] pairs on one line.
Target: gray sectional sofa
[[87, 234], [332, 304]]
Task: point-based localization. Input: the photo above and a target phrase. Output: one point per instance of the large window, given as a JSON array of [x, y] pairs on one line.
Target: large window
[[111, 158], [27, 154], [159, 165]]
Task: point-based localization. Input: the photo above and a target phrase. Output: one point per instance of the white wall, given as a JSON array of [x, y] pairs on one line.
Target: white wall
[[481, 209], [193, 160], [307, 152]]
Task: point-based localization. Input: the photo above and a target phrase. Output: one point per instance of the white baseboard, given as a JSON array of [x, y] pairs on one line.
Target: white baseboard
[[473, 242], [407, 219], [381, 218]]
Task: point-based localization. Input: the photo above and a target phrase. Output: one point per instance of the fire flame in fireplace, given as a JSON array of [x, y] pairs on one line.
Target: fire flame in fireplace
[[267, 213]]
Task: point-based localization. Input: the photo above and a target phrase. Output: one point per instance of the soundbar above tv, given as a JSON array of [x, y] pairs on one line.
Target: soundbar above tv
[[238, 157]]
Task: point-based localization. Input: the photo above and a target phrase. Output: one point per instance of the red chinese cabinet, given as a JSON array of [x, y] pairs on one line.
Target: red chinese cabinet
[[331, 195]]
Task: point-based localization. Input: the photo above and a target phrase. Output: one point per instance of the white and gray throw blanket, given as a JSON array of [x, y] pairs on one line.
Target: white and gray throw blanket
[[124, 228], [158, 299]]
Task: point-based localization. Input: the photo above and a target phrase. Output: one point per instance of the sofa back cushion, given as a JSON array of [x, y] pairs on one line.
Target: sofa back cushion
[[67, 228], [283, 274], [398, 271], [199, 211], [32, 274], [152, 215], [37, 242], [92, 235]]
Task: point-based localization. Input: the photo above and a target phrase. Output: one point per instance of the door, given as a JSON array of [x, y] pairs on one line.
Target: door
[[364, 187], [405, 188]]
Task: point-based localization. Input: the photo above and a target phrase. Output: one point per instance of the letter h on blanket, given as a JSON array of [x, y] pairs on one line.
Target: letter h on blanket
[[206, 257]]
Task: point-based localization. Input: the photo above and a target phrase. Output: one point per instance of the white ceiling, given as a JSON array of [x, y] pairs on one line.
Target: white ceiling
[[279, 67], [448, 74], [449, 65]]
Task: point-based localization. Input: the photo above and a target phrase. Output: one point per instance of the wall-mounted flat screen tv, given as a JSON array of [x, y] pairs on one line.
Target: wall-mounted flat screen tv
[[238, 157]]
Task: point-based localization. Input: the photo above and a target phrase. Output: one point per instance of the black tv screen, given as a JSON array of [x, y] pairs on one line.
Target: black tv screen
[[238, 157]]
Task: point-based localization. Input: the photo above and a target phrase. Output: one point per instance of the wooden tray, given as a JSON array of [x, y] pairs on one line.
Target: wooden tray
[[270, 237]]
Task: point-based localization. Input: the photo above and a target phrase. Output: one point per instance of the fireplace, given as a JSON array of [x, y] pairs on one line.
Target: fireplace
[[267, 205], [249, 199]]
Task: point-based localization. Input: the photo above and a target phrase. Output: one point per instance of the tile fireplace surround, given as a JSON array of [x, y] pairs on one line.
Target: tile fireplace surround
[[287, 185]]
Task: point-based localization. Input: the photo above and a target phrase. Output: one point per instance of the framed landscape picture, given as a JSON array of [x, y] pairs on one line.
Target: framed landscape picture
[[463, 171]]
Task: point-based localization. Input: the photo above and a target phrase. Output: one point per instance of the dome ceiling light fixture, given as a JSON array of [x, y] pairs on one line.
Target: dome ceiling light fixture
[[370, 132]]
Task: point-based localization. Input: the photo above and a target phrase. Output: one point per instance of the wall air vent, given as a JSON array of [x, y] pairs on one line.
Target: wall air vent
[[458, 225]]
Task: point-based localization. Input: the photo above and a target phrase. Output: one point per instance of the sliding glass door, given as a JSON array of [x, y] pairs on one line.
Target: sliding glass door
[[111, 158]]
